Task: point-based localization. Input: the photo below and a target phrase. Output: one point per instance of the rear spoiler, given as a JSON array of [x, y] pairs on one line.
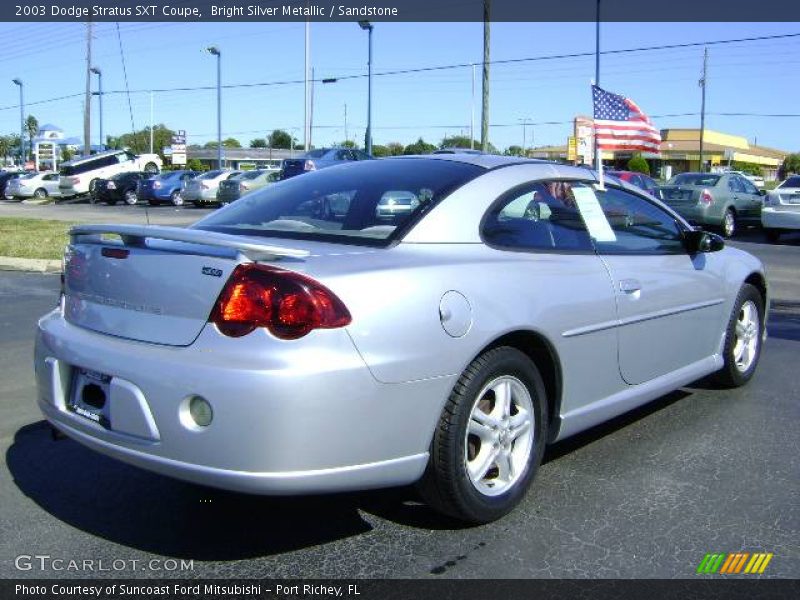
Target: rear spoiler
[[135, 235]]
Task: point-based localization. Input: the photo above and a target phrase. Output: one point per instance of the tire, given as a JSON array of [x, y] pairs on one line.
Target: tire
[[151, 168], [40, 193], [743, 333], [176, 198], [478, 494], [729, 224], [130, 197], [773, 235]]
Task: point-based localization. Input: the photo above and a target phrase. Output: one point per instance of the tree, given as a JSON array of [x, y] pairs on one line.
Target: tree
[[394, 148], [258, 143], [379, 151], [514, 151], [459, 141], [31, 129], [139, 141], [419, 147], [194, 164], [638, 164], [791, 164], [66, 154], [281, 140], [352, 144], [226, 143], [5, 147]]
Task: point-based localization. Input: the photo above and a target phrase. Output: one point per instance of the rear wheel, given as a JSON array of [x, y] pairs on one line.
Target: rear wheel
[[176, 198], [130, 198], [729, 223], [489, 440], [743, 337], [773, 235], [40, 193]]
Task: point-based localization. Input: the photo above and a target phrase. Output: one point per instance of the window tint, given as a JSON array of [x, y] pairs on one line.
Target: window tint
[[211, 174], [748, 186], [695, 179], [649, 184], [356, 202], [319, 153], [735, 184], [792, 182], [638, 226], [538, 216]]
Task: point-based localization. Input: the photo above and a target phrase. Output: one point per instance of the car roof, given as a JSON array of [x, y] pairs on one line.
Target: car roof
[[487, 161]]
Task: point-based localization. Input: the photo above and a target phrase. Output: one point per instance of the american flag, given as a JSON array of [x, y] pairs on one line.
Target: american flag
[[621, 125]]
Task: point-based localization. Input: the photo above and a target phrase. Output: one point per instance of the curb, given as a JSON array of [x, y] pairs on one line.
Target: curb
[[35, 265]]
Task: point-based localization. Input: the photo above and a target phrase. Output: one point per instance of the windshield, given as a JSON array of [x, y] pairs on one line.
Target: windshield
[[357, 202], [792, 182], [695, 179], [319, 153]]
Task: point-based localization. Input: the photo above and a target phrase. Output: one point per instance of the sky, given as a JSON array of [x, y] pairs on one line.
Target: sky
[[754, 77]]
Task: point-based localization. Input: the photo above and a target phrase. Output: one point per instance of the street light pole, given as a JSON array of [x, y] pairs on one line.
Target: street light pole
[[99, 74], [366, 25], [472, 113], [215, 51], [18, 82]]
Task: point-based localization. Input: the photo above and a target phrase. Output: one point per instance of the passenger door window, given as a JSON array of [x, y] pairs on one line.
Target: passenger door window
[[638, 226]]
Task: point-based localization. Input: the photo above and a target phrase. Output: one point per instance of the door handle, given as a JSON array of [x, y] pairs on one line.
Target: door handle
[[629, 286]]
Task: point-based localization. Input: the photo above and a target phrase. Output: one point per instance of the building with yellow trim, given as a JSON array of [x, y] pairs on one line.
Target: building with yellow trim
[[680, 149]]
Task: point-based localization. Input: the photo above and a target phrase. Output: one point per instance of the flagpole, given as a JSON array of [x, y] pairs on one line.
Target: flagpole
[[598, 157]]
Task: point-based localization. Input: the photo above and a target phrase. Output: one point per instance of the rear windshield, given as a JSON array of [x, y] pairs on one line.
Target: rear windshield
[[211, 174], [370, 202], [316, 153], [250, 174], [792, 182], [695, 179]]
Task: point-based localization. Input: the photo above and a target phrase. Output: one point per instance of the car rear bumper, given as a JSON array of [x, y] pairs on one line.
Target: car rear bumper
[[785, 217], [309, 420]]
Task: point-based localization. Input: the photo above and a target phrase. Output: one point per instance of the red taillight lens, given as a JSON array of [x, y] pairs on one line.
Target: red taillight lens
[[705, 197], [288, 304]]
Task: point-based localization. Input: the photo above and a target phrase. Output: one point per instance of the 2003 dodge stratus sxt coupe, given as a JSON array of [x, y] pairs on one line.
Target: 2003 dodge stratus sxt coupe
[[320, 335]]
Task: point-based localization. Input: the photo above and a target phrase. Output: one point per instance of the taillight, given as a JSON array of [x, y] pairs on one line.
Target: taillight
[[705, 197], [309, 166], [288, 304]]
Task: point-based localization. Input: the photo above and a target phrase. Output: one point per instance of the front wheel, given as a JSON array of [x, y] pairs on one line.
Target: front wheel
[[40, 193], [743, 337], [130, 198], [489, 440], [176, 198]]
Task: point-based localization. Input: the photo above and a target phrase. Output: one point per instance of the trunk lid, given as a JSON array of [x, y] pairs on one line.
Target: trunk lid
[[676, 195], [788, 195], [155, 284]]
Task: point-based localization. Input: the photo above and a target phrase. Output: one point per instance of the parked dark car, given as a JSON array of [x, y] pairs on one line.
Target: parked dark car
[[119, 188], [643, 182], [319, 159], [166, 187]]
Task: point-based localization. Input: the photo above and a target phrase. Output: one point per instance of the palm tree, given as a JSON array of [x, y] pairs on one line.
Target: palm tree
[[31, 128]]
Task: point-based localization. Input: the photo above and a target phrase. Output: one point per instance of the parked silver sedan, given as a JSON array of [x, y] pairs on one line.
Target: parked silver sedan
[[781, 212], [34, 185], [301, 341]]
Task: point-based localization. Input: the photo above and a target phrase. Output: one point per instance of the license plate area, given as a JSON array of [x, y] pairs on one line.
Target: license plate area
[[89, 396]]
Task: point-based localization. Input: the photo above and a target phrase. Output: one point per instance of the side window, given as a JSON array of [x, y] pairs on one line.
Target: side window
[[734, 185], [748, 186], [538, 216], [649, 184], [638, 226]]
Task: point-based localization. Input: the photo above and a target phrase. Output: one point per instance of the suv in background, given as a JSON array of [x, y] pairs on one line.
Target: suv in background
[[319, 159]]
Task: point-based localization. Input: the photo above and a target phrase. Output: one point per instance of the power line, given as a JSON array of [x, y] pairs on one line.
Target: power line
[[415, 70]]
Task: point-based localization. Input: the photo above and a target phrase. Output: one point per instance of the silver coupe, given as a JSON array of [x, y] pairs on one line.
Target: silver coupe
[[302, 340]]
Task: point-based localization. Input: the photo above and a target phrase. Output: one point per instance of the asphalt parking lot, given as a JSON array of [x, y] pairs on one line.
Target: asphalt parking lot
[[644, 496]]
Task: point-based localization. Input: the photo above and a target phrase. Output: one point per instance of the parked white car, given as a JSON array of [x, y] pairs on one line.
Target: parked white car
[[79, 176], [203, 188], [34, 185], [781, 211]]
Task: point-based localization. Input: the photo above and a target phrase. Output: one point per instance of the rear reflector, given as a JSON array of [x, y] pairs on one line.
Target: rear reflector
[[288, 304]]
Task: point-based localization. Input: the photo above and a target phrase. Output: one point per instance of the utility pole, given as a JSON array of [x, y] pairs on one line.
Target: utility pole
[[307, 102], [485, 83], [472, 111], [87, 105], [598, 158], [702, 83], [151, 121], [345, 122], [311, 111]]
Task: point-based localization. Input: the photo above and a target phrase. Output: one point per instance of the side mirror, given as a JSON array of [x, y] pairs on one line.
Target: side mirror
[[697, 240], [762, 192]]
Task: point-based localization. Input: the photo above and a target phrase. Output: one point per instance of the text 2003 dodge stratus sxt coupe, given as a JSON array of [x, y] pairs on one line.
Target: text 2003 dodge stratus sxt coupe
[[306, 339]]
